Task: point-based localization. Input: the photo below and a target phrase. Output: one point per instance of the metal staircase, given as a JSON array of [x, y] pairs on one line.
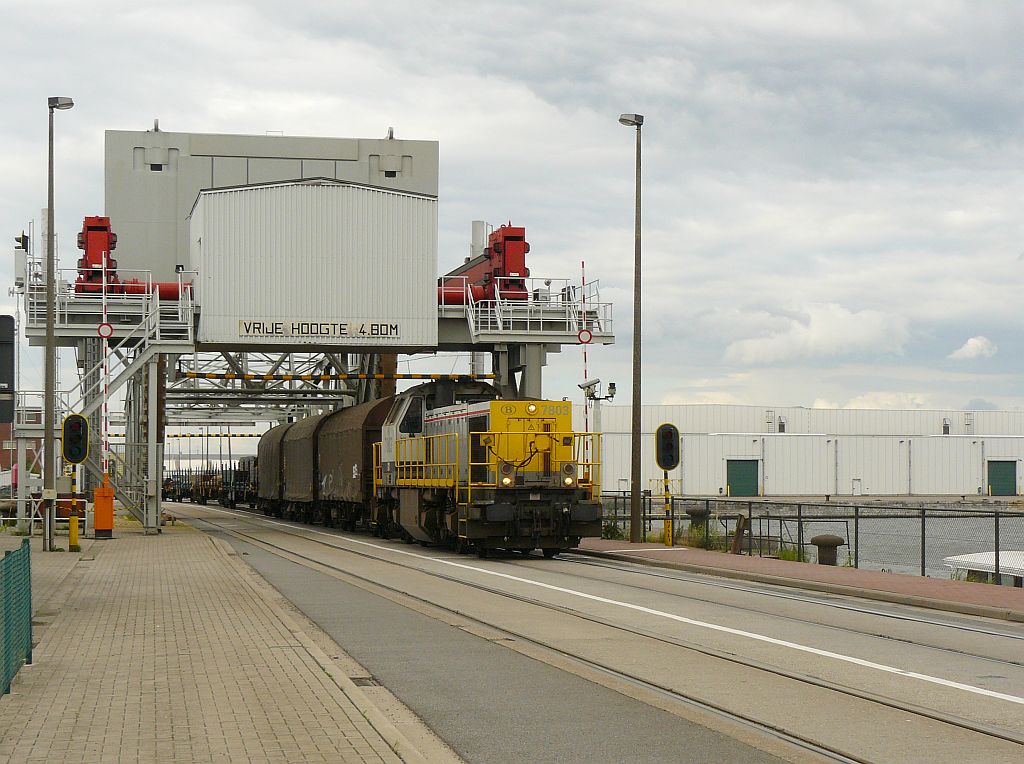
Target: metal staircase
[[164, 327]]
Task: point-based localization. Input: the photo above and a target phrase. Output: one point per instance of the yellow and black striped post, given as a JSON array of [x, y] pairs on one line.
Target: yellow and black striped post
[[329, 377], [669, 530]]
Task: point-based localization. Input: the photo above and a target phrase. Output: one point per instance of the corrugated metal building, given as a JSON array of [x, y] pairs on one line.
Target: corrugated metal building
[[792, 451], [315, 263]]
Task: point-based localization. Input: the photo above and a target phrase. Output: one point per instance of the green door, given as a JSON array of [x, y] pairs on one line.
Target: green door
[[1002, 478], [741, 477]]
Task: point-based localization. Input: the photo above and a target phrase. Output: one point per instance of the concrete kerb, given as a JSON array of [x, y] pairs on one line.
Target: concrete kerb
[[964, 608], [388, 732]]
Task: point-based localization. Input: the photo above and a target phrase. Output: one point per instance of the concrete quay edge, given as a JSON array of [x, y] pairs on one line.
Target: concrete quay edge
[[401, 745], [950, 606]]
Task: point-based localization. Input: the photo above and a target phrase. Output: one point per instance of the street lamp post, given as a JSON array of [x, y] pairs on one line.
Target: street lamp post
[[50, 369], [635, 498]]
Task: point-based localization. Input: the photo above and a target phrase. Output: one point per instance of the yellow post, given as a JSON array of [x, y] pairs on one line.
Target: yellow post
[[669, 533], [73, 533]]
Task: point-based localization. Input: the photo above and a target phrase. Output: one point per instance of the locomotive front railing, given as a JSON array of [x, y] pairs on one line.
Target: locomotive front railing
[[534, 460], [428, 461]]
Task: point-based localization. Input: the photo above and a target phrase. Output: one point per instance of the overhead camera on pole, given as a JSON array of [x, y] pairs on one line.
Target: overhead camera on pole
[[592, 392]]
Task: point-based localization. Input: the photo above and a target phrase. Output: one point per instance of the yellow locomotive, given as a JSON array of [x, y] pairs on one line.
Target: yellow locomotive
[[487, 474]]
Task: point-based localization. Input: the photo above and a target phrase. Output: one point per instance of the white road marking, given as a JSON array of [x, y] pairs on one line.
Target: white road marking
[[661, 614]]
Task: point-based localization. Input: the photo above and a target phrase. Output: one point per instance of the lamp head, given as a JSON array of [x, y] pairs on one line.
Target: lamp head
[[631, 120], [60, 102]]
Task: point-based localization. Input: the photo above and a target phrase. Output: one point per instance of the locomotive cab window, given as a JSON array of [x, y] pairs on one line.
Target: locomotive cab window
[[412, 420]]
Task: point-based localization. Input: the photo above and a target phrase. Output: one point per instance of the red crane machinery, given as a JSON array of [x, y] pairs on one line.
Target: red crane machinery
[[500, 272], [98, 241]]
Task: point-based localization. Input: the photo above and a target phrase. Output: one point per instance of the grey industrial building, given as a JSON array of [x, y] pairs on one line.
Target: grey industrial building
[[794, 451]]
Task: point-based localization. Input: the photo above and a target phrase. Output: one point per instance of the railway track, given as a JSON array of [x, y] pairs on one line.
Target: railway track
[[787, 736], [819, 601], [766, 591]]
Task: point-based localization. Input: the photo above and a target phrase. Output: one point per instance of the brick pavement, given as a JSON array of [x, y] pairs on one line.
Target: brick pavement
[[48, 570], [943, 594], [165, 649]]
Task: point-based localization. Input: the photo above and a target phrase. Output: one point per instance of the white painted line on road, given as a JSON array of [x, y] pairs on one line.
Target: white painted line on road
[[661, 614]]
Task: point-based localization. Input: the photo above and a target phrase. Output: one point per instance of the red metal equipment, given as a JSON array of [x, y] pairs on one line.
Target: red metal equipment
[[98, 241], [499, 272]]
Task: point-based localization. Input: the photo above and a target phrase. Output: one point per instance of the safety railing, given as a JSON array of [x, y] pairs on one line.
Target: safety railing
[[908, 539], [551, 306], [133, 300], [542, 459], [534, 460], [15, 613], [429, 461]]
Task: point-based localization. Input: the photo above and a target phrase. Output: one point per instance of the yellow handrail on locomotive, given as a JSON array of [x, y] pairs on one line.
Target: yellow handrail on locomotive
[[541, 455], [428, 461]]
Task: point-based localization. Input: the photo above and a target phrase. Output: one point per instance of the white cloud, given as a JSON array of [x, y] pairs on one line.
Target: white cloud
[[975, 347], [825, 331], [890, 400], [833, 152]]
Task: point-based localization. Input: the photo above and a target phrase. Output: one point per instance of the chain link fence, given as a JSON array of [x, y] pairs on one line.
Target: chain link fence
[[15, 613], [894, 538]]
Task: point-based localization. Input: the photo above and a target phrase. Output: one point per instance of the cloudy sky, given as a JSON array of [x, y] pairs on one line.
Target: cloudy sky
[[832, 190]]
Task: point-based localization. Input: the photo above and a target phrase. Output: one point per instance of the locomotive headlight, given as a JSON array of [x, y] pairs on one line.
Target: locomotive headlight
[[508, 474], [531, 409], [569, 473]]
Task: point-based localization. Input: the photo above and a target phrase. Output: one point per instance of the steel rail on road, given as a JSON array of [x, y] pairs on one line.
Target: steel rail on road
[[289, 529], [625, 567]]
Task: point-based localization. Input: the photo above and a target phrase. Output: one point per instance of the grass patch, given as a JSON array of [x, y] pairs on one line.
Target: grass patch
[[791, 553], [611, 530]]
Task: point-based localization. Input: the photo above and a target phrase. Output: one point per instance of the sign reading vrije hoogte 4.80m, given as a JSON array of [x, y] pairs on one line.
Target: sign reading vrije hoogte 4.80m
[[340, 329]]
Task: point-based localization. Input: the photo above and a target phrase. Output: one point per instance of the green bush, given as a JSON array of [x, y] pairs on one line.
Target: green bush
[[791, 553], [611, 530]]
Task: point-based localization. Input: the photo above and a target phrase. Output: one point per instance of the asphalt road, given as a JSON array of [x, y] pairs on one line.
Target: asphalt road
[[868, 683], [488, 703]]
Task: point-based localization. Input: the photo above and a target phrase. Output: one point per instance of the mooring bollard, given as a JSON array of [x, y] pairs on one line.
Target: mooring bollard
[[827, 544]]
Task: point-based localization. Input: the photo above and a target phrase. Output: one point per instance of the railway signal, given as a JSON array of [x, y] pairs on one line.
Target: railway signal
[[666, 446], [75, 439], [666, 453]]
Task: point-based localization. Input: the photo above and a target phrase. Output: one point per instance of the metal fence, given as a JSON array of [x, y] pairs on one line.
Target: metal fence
[[895, 538], [15, 613]]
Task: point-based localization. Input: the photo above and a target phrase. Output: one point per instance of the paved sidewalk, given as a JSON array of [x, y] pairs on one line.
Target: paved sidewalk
[[1004, 602], [165, 649]]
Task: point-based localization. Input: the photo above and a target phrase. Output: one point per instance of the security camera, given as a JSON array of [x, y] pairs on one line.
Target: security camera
[[589, 384], [611, 389]]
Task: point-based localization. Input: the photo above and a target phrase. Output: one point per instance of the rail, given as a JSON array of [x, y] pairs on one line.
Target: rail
[[555, 307], [15, 613], [580, 452], [428, 461]]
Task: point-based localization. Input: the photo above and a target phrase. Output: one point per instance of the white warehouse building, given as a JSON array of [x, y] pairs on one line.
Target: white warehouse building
[[793, 451]]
